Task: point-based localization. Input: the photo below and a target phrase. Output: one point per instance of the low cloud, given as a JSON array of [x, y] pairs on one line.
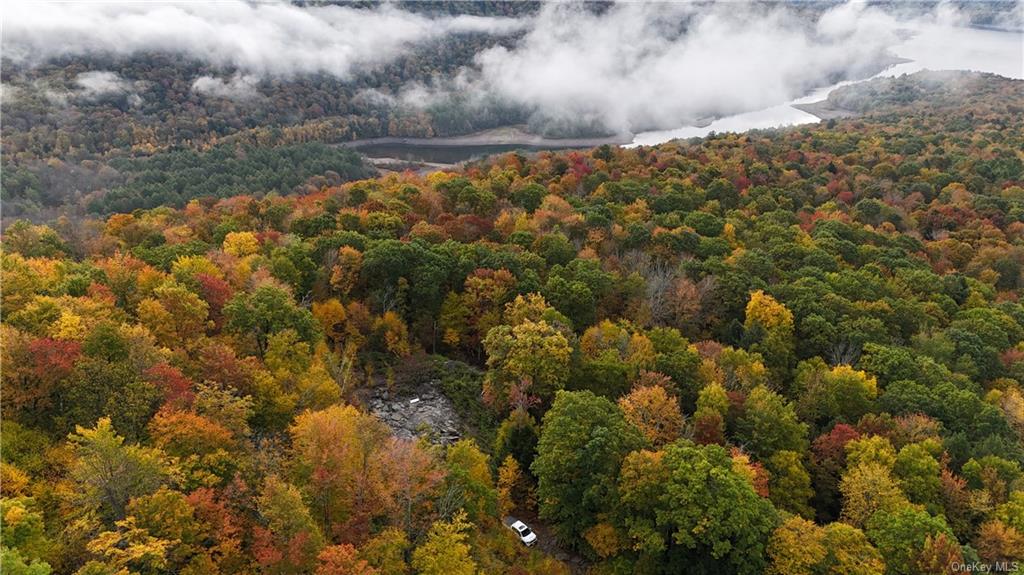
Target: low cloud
[[239, 87], [94, 86], [626, 67], [280, 40], [98, 84], [638, 66]]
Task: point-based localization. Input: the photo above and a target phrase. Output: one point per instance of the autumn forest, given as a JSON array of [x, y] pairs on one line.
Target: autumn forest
[[788, 351]]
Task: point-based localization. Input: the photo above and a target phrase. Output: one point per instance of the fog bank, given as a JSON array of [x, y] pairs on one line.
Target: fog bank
[[278, 39], [631, 67]]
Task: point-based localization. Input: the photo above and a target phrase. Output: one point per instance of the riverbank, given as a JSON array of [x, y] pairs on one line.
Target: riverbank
[[824, 110], [504, 136], [400, 165]]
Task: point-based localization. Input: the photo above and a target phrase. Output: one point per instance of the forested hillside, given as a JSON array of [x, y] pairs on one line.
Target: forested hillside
[[793, 351], [77, 109], [70, 124]]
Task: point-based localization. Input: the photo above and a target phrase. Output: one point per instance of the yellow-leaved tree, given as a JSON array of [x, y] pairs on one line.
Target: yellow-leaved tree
[[445, 550]]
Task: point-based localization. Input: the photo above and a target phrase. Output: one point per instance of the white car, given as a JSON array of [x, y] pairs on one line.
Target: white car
[[526, 535]]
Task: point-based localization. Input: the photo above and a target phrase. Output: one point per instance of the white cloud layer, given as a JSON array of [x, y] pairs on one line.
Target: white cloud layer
[[634, 66], [276, 39], [631, 68]]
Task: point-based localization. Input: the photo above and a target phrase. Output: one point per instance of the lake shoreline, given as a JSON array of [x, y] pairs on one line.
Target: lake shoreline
[[391, 149], [823, 111], [400, 165], [505, 136]]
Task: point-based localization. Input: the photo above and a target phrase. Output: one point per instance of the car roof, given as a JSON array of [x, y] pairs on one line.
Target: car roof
[[519, 525]]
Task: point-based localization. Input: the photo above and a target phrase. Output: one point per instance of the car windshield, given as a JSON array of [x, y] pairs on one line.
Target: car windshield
[[526, 532]]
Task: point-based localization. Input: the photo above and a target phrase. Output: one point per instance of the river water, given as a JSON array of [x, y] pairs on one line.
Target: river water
[[931, 47], [443, 154]]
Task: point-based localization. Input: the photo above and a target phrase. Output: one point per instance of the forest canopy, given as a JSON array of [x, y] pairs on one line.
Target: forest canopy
[[784, 351]]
